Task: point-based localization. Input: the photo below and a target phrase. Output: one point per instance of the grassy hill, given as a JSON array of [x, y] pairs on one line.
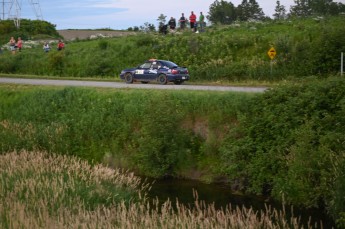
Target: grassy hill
[[235, 53]]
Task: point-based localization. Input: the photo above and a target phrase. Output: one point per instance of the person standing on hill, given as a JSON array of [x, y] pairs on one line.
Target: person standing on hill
[[182, 22], [201, 22], [60, 45], [172, 23], [192, 20]]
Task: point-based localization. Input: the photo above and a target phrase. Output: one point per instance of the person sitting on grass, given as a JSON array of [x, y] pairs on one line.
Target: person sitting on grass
[[12, 43], [46, 47]]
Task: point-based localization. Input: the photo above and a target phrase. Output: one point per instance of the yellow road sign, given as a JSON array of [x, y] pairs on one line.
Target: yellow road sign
[[272, 53]]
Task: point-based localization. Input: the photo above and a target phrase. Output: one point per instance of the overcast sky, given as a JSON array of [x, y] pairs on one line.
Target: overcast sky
[[122, 14]]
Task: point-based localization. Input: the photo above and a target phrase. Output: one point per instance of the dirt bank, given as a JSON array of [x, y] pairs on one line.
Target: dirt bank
[[71, 34]]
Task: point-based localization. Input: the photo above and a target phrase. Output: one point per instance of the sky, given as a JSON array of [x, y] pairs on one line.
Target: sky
[[122, 14]]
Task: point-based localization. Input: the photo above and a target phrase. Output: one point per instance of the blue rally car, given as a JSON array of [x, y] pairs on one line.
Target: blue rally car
[[162, 71]]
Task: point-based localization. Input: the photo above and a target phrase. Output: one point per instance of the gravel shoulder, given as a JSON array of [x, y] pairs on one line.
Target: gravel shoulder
[[102, 84]]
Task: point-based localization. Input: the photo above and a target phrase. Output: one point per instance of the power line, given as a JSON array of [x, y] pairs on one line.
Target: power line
[[11, 9]]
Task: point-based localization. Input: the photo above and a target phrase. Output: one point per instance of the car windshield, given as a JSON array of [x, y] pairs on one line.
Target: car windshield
[[169, 64]]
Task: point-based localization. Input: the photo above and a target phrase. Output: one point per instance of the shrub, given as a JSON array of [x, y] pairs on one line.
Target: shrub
[[290, 143]]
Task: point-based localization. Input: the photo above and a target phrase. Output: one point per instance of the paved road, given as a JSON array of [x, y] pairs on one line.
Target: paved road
[[79, 83]]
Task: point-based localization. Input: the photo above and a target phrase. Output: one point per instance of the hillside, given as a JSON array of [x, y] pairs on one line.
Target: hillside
[[222, 54]]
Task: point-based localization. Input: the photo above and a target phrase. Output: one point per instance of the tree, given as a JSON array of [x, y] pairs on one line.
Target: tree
[[147, 27], [325, 7], [222, 12], [301, 9], [304, 8], [320, 7], [250, 10], [280, 11], [161, 20]]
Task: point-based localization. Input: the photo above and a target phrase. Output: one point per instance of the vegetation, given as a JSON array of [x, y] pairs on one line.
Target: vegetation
[[291, 144], [41, 190], [225, 12], [234, 53], [29, 29], [157, 133], [286, 143]]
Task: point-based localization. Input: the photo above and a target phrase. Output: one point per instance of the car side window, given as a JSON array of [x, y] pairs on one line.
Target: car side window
[[146, 65], [156, 65]]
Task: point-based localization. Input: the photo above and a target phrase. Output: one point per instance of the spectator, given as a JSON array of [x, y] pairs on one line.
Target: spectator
[[12, 43], [60, 45], [192, 20], [163, 29], [46, 47], [182, 22], [172, 23], [201, 22], [19, 44]]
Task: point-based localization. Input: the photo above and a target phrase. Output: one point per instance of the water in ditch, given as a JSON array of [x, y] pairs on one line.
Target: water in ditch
[[221, 196]]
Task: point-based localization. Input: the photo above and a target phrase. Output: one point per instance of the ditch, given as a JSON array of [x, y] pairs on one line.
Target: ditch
[[221, 196]]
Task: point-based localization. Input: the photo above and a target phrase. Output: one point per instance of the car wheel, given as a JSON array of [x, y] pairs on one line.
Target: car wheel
[[162, 79], [129, 78], [178, 82]]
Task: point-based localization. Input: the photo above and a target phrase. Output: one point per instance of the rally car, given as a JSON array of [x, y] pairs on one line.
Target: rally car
[[162, 71]]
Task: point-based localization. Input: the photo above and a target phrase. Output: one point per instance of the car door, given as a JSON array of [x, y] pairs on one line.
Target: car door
[[153, 71], [142, 71]]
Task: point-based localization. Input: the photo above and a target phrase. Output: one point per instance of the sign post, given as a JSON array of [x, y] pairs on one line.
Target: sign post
[[272, 54], [342, 64]]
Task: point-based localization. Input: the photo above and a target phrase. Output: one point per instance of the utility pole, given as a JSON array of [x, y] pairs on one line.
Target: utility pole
[[4, 6]]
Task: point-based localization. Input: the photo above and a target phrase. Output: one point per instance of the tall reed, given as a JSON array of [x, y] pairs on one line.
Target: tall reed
[[41, 190]]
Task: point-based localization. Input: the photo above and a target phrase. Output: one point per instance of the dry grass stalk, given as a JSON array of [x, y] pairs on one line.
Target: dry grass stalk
[[38, 191]]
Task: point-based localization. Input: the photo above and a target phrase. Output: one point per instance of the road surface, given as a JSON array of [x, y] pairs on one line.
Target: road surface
[[80, 83]]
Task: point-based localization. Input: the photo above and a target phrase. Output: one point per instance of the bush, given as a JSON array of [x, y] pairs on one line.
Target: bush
[[290, 144]]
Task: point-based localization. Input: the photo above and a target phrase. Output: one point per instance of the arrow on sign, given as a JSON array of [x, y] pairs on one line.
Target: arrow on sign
[[272, 53]]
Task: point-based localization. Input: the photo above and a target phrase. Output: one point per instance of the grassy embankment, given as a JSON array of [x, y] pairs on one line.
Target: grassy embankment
[[229, 54], [288, 142]]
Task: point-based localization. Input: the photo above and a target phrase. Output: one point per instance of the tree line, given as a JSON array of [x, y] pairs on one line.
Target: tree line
[[28, 29], [225, 12]]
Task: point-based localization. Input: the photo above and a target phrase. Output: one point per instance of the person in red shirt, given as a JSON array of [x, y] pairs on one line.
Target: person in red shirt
[[19, 44], [192, 20], [60, 45]]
